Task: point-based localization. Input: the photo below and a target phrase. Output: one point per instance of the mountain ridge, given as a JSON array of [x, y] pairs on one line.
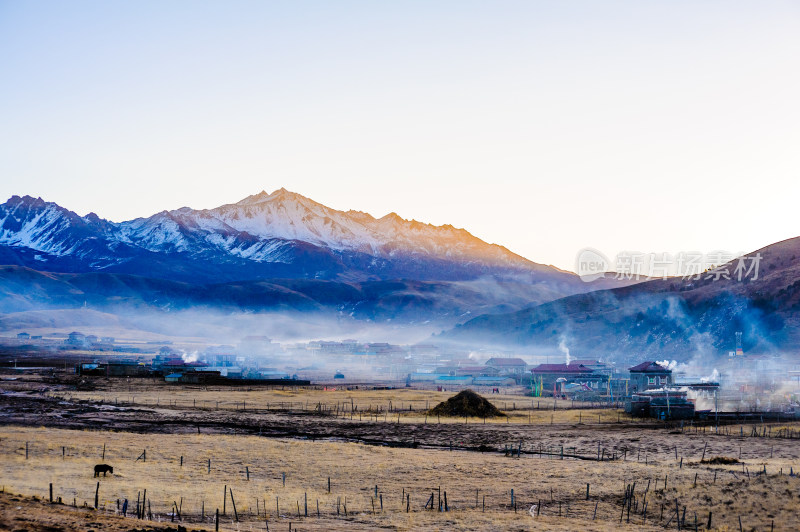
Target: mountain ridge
[[276, 252], [281, 234]]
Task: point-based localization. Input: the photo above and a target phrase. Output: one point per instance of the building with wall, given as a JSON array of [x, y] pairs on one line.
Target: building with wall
[[649, 376], [508, 366], [548, 374], [661, 404]]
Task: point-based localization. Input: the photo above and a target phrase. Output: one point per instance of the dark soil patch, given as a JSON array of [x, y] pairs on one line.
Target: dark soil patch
[[721, 460], [466, 403]]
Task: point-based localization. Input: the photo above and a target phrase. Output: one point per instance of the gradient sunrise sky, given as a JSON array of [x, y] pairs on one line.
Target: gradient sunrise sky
[[541, 126]]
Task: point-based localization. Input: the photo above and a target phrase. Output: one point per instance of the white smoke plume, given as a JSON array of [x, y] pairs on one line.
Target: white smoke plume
[[562, 346]]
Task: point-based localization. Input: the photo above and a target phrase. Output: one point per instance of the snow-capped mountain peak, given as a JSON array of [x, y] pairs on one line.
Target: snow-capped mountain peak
[[281, 231]]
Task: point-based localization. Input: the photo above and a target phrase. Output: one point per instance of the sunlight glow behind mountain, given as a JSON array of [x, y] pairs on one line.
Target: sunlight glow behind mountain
[[540, 126]]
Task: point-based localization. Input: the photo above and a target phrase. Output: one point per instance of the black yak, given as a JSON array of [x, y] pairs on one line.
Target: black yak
[[103, 468]]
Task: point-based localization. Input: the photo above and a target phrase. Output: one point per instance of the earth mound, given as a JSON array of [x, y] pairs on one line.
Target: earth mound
[[724, 460], [466, 403]]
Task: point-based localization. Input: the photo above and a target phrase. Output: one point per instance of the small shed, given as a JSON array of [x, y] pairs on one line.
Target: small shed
[[200, 377], [661, 404]]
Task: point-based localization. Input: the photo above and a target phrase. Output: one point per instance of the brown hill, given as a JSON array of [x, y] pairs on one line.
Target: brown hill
[[466, 403], [678, 317]]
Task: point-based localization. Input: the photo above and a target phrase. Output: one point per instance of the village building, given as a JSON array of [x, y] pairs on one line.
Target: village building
[[595, 365], [446, 370], [453, 380], [493, 381], [478, 371], [649, 376], [508, 366], [75, 339], [661, 404], [554, 377], [127, 368], [197, 377]]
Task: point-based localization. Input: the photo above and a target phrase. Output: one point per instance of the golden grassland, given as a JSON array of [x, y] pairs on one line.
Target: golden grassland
[[652, 452], [363, 404], [355, 470]]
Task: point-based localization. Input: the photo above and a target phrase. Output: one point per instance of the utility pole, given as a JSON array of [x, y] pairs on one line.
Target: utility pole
[[716, 408]]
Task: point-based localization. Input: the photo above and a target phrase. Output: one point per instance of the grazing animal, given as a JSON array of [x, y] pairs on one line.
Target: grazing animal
[[103, 468]]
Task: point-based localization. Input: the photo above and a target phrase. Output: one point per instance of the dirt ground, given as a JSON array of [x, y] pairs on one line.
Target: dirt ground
[[549, 431], [21, 514]]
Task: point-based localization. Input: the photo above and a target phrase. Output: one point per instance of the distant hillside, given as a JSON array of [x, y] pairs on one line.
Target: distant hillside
[[447, 302], [670, 318]]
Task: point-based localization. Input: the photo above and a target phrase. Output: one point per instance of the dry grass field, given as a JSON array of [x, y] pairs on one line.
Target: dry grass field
[[356, 470], [477, 484], [363, 403]]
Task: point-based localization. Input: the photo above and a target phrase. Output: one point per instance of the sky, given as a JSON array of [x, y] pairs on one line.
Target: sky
[[543, 126]]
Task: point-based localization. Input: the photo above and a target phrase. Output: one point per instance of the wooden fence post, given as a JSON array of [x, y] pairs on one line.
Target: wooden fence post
[[235, 513]]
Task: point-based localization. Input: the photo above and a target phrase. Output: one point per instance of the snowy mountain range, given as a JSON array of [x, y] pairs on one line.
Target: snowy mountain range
[[277, 235]]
